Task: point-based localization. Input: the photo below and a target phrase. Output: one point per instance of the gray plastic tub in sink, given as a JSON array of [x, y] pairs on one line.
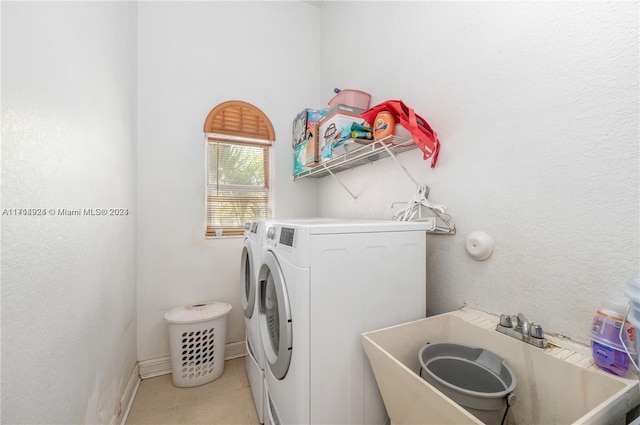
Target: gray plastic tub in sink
[[475, 378]]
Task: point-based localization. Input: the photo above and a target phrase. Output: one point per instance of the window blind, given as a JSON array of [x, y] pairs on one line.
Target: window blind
[[237, 184]]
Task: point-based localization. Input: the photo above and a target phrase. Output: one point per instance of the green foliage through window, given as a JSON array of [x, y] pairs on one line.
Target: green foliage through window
[[237, 185]]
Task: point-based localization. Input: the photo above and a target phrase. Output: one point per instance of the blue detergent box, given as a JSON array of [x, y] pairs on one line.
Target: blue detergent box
[[303, 122], [305, 154]]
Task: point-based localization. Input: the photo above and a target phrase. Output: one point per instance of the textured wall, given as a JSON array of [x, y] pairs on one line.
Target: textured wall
[[193, 56], [536, 105], [68, 281]]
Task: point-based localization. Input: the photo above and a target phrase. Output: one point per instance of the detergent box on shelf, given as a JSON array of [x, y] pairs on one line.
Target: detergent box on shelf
[[336, 127], [303, 121], [305, 154]]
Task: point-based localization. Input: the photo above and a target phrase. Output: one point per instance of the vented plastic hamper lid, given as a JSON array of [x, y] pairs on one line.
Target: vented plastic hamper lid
[[197, 312]]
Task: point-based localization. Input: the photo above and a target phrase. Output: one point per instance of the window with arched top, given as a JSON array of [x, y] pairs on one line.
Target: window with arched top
[[239, 137]]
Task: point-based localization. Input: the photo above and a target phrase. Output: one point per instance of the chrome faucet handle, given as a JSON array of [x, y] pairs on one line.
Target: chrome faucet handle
[[505, 320], [536, 331]]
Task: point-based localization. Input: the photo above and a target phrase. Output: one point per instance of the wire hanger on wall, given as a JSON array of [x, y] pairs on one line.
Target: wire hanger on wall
[[419, 208]]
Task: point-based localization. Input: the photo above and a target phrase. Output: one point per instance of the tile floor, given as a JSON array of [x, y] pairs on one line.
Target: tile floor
[[227, 400]]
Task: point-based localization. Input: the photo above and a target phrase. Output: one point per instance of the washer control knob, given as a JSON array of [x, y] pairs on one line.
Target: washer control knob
[[271, 232]]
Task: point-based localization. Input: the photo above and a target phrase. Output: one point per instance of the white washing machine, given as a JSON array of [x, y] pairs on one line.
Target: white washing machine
[[321, 285], [254, 361]]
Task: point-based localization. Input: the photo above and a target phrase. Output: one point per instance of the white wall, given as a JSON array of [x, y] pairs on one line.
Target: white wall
[[193, 56], [68, 282], [536, 106]]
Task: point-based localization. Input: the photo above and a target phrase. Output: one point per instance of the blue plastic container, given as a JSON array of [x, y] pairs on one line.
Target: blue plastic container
[[606, 347]]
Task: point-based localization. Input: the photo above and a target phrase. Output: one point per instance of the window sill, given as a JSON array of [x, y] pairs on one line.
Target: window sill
[[223, 237]]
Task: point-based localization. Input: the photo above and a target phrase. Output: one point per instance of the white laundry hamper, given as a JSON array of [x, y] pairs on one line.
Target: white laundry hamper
[[197, 338]]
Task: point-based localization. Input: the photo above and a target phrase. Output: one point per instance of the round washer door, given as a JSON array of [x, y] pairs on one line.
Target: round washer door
[[247, 272], [275, 316]]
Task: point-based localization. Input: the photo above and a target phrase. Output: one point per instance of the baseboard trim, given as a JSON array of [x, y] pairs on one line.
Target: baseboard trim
[[122, 411], [162, 365], [233, 350], [155, 367]]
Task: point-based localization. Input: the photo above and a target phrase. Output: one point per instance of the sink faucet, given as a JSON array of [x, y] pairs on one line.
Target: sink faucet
[[526, 331], [523, 325]]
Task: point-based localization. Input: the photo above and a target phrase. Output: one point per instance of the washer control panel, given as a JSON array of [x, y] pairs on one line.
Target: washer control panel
[[286, 236]]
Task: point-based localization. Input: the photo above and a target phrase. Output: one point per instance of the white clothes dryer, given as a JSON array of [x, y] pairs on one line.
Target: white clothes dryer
[[321, 285], [254, 360]]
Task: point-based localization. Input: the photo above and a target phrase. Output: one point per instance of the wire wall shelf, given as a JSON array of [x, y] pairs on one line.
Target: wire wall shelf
[[356, 154]]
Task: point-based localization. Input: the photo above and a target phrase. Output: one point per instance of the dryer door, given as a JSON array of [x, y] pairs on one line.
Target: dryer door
[[248, 272], [274, 316]]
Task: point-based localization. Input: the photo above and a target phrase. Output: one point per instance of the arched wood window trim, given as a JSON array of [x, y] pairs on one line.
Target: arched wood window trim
[[238, 118]]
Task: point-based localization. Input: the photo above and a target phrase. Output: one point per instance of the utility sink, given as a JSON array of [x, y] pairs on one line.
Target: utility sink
[[555, 385]]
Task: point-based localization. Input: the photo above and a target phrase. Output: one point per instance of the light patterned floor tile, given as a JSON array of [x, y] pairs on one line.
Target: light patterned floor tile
[[226, 400], [250, 406]]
